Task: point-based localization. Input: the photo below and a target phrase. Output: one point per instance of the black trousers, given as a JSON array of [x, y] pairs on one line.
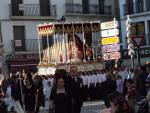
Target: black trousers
[[76, 107], [84, 93], [97, 91], [92, 92], [106, 100]]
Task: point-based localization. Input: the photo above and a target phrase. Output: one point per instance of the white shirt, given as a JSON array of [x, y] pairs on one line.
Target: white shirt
[[92, 79], [47, 91], [44, 82], [130, 76], [123, 74], [8, 92], [103, 77], [95, 80], [84, 79], [99, 78], [89, 81], [51, 80]]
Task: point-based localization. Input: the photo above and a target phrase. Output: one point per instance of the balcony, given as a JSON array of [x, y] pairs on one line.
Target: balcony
[[27, 45], [135, 8], [32, 11], [76, 9]]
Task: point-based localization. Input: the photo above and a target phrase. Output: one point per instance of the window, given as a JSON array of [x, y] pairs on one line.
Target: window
[[19, 38], [101, 6], [129, 7], [45, 7], [85, 6], [15, 8], [147, 5], [138, 29]]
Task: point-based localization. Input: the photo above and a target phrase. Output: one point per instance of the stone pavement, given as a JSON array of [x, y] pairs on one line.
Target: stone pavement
[[92, 107], [89, 107]]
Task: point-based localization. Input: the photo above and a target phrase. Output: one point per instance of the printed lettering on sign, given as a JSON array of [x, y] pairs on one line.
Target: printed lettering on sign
[[110, 40], [109, 25], [110, 32], [110, 48], [112, 56]]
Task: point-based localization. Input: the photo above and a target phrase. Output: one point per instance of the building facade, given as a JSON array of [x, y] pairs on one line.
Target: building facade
[[19, 20], [139, 14]]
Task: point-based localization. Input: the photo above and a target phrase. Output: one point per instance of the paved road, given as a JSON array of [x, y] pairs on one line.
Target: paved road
[[90, 107]]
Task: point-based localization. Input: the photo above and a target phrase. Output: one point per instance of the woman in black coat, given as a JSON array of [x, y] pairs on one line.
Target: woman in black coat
[[30, 95], [61, 98]]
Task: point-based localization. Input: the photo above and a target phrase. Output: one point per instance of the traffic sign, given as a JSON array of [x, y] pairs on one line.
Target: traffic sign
[[109, 25], [112, 56], [110, 32], [138, 40], [110, 48], [110, 40]]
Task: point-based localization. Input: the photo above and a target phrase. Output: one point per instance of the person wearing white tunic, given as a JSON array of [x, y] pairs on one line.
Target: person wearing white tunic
[[123, 74], [100, 78], [8, 100], [51, 79], [95, 79], [103, 77], [44, 82], [89, 79], [47, 92]]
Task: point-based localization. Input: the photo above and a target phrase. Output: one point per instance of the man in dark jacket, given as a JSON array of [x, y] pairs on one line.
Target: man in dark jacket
[[108, 87], [76, 91], [141, 82]]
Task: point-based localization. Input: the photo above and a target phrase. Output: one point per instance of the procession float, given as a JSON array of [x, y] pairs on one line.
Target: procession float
[[65, 44]]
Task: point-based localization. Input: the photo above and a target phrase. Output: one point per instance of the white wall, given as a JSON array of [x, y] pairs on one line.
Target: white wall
[[4, 9], [60, 4], [7, 32], [7, 35]]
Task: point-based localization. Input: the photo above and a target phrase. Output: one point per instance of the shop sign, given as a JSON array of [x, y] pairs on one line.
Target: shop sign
[[145, 52], [27, 56]]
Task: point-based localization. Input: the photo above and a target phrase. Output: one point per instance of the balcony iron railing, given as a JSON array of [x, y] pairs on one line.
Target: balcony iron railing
[[30, 10], [27, 45], [92, 9]]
